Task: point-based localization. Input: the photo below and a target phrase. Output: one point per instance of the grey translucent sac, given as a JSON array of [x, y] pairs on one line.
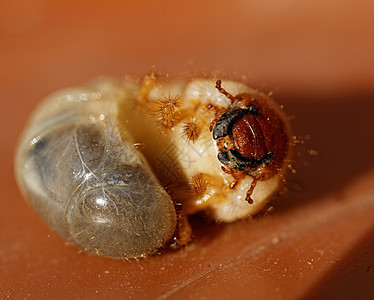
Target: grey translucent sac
[[78, 167]]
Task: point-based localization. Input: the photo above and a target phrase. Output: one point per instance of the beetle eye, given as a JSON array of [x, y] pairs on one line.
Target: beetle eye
[[234, 160], [226, 122]]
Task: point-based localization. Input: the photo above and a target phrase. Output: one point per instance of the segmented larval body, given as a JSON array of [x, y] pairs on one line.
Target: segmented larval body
[[80, 166]]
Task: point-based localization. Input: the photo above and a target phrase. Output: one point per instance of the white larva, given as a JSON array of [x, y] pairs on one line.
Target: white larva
[[79, 165]]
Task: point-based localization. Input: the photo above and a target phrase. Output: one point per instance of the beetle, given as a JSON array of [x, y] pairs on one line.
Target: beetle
[[258, 134]]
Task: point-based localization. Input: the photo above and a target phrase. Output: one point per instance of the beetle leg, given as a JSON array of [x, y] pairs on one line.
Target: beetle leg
[[149, 82], [183, 235], [206, 189], [249, 193]]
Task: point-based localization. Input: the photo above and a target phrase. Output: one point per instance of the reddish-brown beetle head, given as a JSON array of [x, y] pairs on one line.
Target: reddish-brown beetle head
[[258, 133]]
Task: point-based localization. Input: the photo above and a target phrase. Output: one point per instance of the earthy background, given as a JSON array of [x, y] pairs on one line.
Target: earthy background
[[318, 59]]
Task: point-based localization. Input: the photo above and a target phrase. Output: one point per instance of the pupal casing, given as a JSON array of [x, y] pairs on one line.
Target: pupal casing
[[78, 167]]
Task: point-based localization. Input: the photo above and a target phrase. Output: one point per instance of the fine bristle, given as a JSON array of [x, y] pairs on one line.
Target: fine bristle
[[191, 130], [199, 185], [167, 111]]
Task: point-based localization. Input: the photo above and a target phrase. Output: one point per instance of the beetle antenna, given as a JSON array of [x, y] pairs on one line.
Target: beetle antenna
[[223, 91]]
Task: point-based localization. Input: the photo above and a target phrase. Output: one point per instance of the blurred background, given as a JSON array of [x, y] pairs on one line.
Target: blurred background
[[317, 57]]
